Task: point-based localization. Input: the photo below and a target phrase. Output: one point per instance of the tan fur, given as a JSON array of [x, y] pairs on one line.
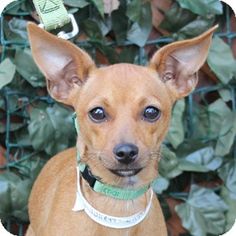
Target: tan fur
[[124, 90]]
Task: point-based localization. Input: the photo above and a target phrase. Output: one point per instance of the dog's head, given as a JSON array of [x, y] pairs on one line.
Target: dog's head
[[123, 109]]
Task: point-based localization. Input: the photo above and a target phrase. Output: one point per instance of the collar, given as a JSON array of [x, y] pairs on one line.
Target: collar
[[110, 190], [82, 204], [103, 188]]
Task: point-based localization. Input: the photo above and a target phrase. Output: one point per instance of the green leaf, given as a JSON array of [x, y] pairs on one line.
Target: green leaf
[[22, 137], [76, 3], [12, 9], [7, 72], [221, 60], [185, 165], [40, 129], [103, 24], [51, 129], [99, 4], [14, 190], [19, 198], [16, 122], [93, 30], [119, 25], [200, 216], [18, 27], [15, 30], [108, 51], [205, 157], [139, 31], [209, 119], [129, 54], [226, 94], [176, 130], [202, 7], [195, 156], [26, 67], [168, 165], [195, 28], [134, 10], [226, 135], [217, 112], [176, 18], [5, 194], [228, 174], [231, 202], [160, 184]]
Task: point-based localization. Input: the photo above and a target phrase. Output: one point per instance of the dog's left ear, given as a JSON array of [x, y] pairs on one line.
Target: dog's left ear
[[65, 66], [177, 63]]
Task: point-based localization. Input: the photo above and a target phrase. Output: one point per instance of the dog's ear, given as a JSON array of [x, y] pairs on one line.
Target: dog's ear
[[64, 65], [177, 63]]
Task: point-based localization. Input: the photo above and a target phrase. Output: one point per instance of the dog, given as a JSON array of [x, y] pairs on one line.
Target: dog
[[103, 186]]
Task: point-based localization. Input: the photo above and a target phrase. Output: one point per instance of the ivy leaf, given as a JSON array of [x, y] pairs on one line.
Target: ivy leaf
[[99, 4], [217, 112], [202, 7], [7, 72], [185, 165], [176, 18], [76, 3], [15, 30], [225, 94], [18, 27], [110, 6], [209, 119], [26, 67], [129, 54], [119, 25], [205, 157], [200, 216], [160, 184], [139, 31], [51, 129], [5, 194], [194, 28], [14, 191], [176, 130], [226, 135], [93, 30], [195, 156], [168, 165], [231, 202], [221, 60], [108, 51], [228, 174], [134, 10]]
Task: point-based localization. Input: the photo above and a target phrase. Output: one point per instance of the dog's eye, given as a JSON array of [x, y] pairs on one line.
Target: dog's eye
[[151, 113], [97, 114]]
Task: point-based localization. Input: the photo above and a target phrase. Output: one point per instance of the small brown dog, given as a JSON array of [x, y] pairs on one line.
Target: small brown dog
[[124, 112]]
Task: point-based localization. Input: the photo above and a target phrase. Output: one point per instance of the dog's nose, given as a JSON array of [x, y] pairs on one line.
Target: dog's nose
[[125, 153]]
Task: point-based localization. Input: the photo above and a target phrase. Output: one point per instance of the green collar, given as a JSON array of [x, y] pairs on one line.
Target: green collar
[[106, 189]]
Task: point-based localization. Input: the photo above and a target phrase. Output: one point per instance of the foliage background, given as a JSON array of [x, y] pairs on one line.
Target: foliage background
[[197, 182]]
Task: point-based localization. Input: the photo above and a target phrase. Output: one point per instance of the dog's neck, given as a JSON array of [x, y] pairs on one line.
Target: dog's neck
[[100, 207], [112, 206]]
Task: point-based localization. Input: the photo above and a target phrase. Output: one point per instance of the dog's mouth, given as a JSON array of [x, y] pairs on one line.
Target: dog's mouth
[[125, 172]]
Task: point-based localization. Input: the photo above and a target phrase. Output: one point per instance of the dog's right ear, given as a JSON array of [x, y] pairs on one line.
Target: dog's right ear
[[64, 65]]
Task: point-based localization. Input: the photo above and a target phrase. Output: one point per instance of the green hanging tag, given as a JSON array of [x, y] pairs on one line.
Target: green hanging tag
[[52, 13]]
